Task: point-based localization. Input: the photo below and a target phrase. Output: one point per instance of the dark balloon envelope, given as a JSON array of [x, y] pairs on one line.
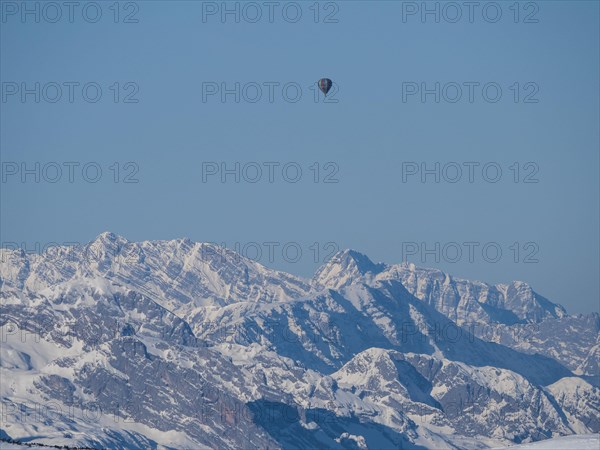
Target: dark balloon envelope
[[325, 84]]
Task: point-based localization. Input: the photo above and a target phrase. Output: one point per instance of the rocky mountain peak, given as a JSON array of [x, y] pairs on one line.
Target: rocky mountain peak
[[344, 268]]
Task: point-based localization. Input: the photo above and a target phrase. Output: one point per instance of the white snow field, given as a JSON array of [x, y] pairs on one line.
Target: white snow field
[[574, 442]]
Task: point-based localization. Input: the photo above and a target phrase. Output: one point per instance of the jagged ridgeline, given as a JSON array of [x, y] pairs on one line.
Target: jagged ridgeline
[[177, 344]]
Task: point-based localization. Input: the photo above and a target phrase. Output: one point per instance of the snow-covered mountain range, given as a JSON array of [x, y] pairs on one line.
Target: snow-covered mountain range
[[176, 344]]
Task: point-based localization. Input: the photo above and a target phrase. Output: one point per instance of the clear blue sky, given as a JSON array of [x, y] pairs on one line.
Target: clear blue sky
[[369, 53]]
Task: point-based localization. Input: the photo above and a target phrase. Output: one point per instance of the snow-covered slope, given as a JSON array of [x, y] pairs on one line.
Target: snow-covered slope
[[509, 314], [577, 442]]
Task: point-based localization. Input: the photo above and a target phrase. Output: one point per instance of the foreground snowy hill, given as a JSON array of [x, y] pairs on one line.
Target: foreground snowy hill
[[7, 446], [187, 345], [577, 442]]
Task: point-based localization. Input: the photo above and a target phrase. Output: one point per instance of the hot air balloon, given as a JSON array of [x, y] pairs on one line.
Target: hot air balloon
[[325, 84]]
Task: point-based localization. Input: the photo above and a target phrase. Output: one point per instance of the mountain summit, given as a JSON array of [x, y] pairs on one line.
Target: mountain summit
[[344, 268]]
